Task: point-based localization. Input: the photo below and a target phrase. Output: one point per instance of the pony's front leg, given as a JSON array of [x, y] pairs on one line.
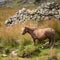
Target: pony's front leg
[[52, 42]]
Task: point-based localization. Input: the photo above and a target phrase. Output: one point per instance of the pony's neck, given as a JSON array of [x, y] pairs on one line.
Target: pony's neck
[[30, 31]]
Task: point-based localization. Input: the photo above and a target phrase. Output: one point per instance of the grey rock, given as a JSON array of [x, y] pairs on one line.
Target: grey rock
[[43, 12]]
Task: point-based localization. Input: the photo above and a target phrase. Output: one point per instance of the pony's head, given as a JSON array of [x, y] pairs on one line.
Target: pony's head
[[24, 30]]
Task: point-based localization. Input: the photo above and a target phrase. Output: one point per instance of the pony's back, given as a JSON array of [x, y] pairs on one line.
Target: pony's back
[[41, 32]]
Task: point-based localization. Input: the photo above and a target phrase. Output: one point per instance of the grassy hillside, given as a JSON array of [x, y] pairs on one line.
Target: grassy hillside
[[16, 3], [23, 3], [11, 39]]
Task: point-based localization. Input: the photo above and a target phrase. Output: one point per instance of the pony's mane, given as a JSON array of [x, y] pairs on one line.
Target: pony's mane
[[31, 28]]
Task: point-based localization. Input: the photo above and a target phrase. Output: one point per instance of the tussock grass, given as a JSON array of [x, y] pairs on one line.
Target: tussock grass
[[52, 54]]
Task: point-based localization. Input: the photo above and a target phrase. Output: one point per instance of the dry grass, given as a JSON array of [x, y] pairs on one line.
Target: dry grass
[[52, 54], [14, 32], [5, 13]]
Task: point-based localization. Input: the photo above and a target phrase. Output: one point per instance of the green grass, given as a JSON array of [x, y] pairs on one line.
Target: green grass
[[44, 54]]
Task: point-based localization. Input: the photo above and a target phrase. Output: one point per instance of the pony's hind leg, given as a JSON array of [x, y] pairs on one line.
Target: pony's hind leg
[[51, 42]]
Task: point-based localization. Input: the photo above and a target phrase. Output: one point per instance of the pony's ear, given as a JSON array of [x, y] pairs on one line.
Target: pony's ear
[[25, 27]]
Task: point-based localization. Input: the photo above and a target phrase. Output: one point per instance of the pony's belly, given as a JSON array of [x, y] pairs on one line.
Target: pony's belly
[[41, 37]]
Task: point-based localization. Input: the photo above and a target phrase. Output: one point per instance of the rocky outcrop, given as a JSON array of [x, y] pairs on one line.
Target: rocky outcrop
[[44, 12]]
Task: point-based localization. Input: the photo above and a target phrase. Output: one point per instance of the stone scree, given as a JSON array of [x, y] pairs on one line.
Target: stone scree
[[43, 12]]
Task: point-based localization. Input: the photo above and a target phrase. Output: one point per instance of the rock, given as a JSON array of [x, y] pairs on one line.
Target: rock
[[43, 12], [57, 16], [4, 55], [14, 52], [46, 18]]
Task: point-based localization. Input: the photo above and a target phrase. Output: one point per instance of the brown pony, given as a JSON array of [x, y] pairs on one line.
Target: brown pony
[[41, 34]]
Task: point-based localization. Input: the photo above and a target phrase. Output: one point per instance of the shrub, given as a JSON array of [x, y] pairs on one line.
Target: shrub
[[28, 51]]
